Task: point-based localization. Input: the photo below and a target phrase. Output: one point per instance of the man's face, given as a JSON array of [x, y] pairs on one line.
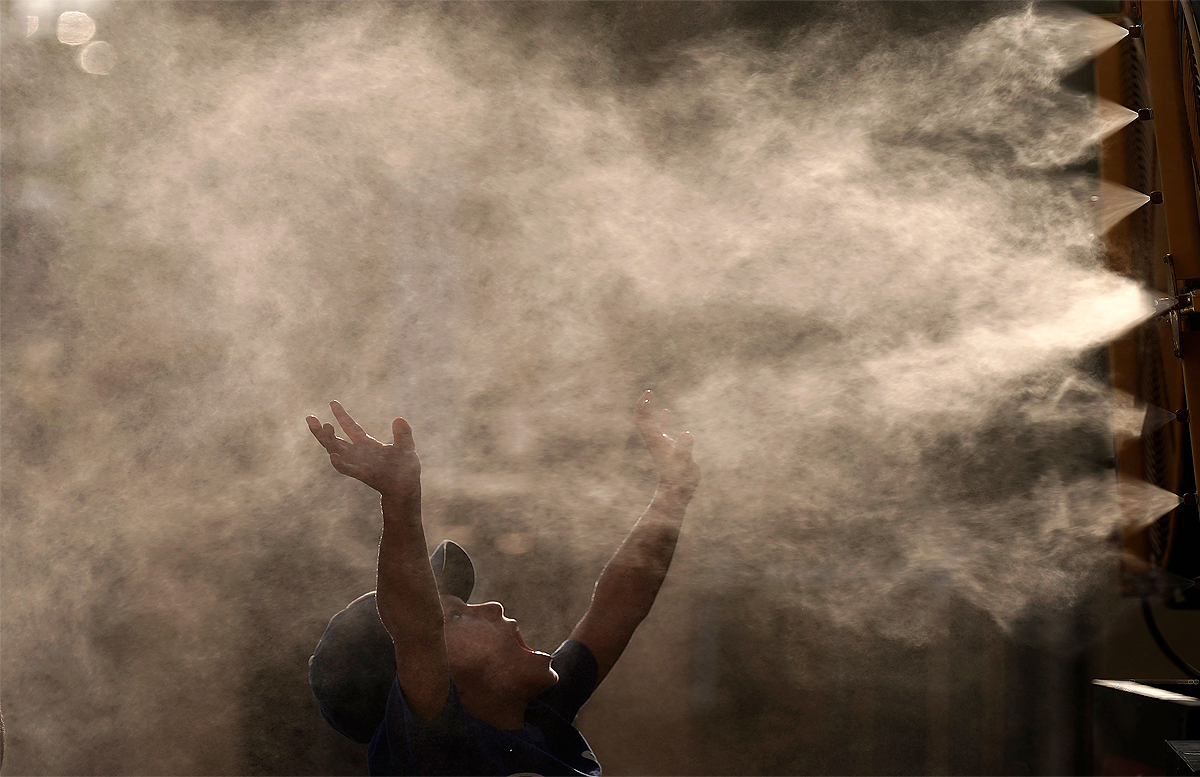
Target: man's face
[[485, 650]]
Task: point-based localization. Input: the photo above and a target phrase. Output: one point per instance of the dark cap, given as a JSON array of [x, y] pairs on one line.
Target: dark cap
[[353, 666], [453, 570]]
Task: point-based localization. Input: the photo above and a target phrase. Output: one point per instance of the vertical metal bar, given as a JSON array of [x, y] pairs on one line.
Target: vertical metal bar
[[1168, 38]]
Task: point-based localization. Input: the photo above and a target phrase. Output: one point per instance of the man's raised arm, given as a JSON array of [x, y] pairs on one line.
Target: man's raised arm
[[630, 581], [406, 595]]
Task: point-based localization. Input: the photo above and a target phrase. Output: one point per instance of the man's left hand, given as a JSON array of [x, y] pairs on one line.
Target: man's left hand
[[677, 471]]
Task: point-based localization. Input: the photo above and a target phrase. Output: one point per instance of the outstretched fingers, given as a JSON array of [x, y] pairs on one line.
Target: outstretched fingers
[[348, 424], [314, 426], [682, 472], [652, 428], [683, 446], [325, 435], [390, 469], [402, 435]]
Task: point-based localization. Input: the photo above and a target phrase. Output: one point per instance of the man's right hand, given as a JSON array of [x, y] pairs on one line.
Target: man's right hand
[[393, 470], [406, 592]]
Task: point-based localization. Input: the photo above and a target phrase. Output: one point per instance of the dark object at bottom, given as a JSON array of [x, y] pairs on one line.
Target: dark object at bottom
[[1183, 756], [1134, 719]]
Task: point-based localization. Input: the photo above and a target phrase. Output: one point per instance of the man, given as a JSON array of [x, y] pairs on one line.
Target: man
[[464, 693]]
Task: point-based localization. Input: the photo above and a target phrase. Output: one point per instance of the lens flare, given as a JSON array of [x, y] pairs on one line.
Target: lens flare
[[98, 58], [75, 28]]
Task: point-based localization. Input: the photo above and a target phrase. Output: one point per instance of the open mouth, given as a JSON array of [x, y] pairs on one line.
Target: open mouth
[[522, 643]]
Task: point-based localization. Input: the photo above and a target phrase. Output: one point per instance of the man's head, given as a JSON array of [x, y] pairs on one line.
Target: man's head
[[487, 655], [353, 666]]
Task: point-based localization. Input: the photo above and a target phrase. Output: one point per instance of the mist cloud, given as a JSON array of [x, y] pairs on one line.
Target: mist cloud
[[863, 270]]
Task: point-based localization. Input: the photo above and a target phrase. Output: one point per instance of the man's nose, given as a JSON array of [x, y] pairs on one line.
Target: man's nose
[[492, 610]]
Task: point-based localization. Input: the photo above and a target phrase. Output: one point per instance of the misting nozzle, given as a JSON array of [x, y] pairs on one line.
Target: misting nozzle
[[1184, 303]]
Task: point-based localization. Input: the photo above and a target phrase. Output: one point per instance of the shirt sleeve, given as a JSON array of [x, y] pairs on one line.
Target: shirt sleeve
[[577, 670], [405, 744]]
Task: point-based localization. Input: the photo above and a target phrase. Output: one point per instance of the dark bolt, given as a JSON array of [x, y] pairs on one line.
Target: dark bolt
[[1156, 198], [1110, 462], [1145, 114], [1135, 30], [1182, 416], [1188, 499]]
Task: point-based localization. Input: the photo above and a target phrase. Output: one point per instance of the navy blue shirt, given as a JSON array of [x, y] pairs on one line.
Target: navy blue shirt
[[458, 743]]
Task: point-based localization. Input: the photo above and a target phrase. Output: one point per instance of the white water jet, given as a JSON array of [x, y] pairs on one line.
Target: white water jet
[[1142, 503], [1114, 202], [1132, 417], [1097, 35], [1129, 416], [1157, 417], [1111, 117]]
